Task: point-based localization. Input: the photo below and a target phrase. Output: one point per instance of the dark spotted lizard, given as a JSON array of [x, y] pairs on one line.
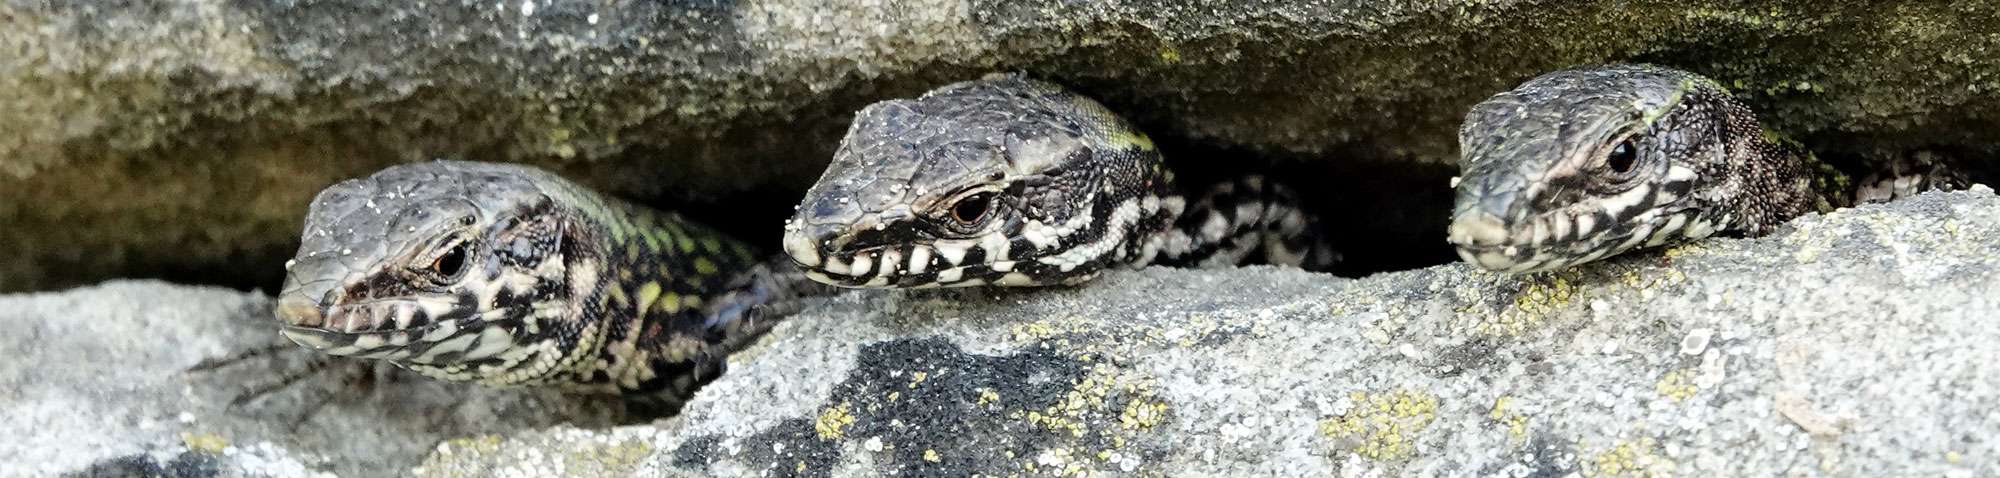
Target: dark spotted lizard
[[509, 275], [1012, 181], [1582, 164]]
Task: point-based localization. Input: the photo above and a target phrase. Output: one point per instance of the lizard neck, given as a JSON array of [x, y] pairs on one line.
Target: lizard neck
[[644, 280], [1774, 179]]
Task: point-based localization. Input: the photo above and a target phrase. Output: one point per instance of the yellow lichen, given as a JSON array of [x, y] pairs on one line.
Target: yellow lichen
[[1677, 384], [204, 442], [1627, 458], [480, 444], [832, 422], [1383, 425], [918, 378], [1084, 411], [931, 455], [1536, 300], [1682, 249], [1517, 424], [1140, 414], [1038, 330], [608, 459], [987, 395], [1086, 394]]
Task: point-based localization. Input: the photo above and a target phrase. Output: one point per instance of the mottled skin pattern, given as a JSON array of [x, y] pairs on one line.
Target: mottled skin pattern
[[1582, 164], [1011, 181], [508, 275]]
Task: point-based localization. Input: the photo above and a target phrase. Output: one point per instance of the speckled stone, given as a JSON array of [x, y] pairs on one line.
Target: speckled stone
[[97, 379], [1853, 344]]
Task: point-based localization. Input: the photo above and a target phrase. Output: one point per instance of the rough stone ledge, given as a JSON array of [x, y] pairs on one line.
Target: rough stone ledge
[[1858, 343]]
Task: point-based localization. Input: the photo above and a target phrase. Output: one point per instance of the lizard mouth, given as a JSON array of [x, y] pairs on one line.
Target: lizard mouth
[[886, 267], [445, 341], [396, 330], [366, 316], [940, 263], [391, 345], [1567, 237], [1539, 243]]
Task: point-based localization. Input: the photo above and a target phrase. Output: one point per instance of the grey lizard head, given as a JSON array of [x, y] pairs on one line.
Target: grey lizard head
[[1003, 180], [437, 265], [1581, 164]]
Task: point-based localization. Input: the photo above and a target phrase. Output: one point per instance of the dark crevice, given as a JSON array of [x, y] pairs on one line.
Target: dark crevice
[[1383, 212]]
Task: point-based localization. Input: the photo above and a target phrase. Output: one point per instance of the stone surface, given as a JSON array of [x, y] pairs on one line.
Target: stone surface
[[97, 379], [1858, 343], [183, 139]]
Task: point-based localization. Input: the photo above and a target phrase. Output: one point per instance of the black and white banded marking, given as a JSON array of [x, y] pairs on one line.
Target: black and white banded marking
[[1015, 182], [1564, 237], [1067, 253]]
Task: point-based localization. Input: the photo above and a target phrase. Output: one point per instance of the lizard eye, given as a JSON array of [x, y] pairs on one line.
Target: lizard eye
[[1622, 157], [449, 265], [970, 209]]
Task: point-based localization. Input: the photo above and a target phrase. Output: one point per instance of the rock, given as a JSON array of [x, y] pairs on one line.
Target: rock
[[1857, 343], [97, 380], [184, 139]]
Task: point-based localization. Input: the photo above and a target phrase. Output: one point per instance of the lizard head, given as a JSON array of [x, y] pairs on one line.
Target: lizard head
[[1581, 164], [1002, 180], [438, 265]]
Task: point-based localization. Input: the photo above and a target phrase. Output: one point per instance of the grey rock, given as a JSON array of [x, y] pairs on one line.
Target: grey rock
[[183, 139], [1854, 344], [1858, 343], [97, 380]]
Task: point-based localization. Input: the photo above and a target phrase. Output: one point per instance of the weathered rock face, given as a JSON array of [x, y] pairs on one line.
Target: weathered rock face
[[1854, 344], [1858, 344], [183, 139], [97, 379]]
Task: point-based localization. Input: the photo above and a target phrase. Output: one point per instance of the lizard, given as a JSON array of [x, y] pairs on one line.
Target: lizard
[[1585, 163], [509, 275], [1011, 181]]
